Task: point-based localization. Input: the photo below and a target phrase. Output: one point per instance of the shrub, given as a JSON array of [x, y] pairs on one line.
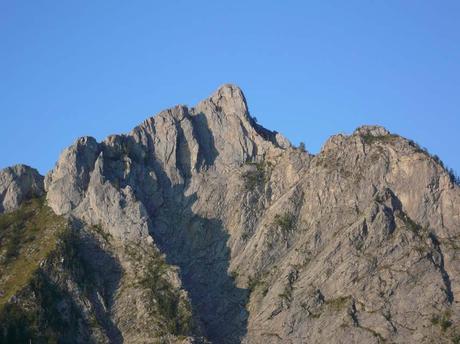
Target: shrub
[[285, 221], [286, 295], [454, 177], [245, 236], [442, 320], [456, 339], [255, 178], [13, 245], [338, 303], [257, 281], [70, 243], [167, 301], [370, 139], [302, 146]]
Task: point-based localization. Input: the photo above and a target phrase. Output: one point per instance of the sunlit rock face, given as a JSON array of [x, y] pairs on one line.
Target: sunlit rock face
[[259, 241], [18, 183]]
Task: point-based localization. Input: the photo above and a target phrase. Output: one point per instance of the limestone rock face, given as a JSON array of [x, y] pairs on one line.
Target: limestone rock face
[[17, 184], [65, 185], [266, 242]]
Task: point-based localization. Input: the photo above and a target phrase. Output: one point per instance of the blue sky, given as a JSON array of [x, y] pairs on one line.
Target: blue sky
[[309, 69]]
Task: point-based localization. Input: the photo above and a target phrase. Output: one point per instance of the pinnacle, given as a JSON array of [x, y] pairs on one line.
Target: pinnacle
[[230, 99]]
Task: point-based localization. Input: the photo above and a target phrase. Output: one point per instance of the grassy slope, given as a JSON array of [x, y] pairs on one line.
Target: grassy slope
[[27, 236], [31, 235]]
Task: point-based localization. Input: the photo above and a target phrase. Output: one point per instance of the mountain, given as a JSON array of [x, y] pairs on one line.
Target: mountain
[[202, 226]]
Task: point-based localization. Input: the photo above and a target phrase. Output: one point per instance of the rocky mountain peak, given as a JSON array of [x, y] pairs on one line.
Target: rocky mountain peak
[[17, 184], [230, 100], [202, 225], [373, 130]]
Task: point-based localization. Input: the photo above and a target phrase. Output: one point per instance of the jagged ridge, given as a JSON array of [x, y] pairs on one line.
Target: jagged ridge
[[270, 243]]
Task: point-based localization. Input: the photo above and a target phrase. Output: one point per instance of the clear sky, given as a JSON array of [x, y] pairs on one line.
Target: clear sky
[[309, 69]]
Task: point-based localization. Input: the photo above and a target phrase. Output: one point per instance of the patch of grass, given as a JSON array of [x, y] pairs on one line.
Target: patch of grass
[[12, 245], [74, 261], [410, 224], [422, 250], [442, 321], [456, 339], [257, 282], [253, 282], [285, 221], [286, 295], [106, 236], [338, 303], [258, 177], [39, 320], [37, 235], [14, 324], [370, 139], [454, 177], [27, 236], [234, 275], [336, 166], [166, 301], [452, 242], [245, 236]]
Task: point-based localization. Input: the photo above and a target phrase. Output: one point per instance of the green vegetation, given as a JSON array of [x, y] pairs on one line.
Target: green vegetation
[[302, 146], [106, 236], [370, 139], [167, 301], [456, 339], [285, 221], [257, 282], [258, 177], [335, 165], [454, 177], [411, 225], [446, 325], [286, 295], [27, 236], [245, 236], [422, 233], [39, 320], [253, 282], [234, 274], [442, 320], [338, 303], [14, 323], [74, 262]]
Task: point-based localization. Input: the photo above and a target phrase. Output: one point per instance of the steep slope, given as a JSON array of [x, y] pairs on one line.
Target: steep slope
[[262, 242], [59, 283]]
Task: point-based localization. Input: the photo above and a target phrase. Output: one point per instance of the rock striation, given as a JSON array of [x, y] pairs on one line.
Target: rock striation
[[18, 183], [256, 241]]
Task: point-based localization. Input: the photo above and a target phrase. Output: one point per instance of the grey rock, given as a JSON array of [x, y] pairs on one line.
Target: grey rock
[[271, 244], [18, 184], [373, 130], [66, 183]]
